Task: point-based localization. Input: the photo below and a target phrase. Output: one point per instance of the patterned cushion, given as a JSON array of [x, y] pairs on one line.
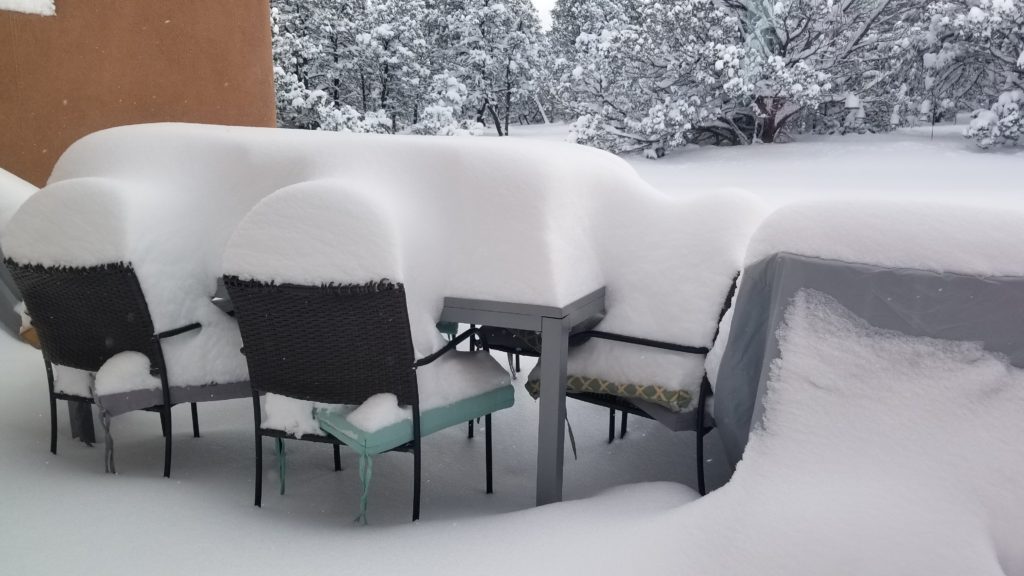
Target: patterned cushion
[[674, 400]]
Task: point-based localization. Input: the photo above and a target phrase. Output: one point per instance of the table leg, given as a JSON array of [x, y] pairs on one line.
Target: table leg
[[551, 431], [80, 416]]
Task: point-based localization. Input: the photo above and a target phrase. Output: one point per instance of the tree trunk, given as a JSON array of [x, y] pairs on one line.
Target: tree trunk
[[364, 91], [494, 116], [384, 87], [508, 100], [543, 113], [771, 125]]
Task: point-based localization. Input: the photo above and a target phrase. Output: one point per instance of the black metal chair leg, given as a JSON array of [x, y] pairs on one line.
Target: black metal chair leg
[[487, 457], [53, 425], [622, 428], [337, 458], [167, 441], [53, 409], [195, 421], [519, 367], [705, 391], [611, 425], [470, 433], [416, 463], [259, 448], [163, 422]]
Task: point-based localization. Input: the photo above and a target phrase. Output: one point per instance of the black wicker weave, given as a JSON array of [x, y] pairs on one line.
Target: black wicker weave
[[84, 316], [331, 344]]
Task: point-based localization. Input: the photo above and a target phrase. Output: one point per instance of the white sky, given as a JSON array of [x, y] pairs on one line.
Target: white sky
[[544, 7]]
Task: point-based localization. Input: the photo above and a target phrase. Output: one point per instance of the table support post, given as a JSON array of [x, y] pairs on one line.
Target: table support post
[[551, 437], [80, 417]]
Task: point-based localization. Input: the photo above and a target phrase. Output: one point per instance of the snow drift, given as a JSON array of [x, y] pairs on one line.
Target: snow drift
[[934, 236]]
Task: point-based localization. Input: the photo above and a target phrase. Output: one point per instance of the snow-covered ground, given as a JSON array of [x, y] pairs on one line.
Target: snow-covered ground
[[63, 515], [909, 164]]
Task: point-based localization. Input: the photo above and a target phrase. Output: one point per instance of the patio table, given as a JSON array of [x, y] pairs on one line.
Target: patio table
[[920, 303], [554, 324]]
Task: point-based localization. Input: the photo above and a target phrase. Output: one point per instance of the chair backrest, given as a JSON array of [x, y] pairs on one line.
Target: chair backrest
[[331, 344], [83, 316]]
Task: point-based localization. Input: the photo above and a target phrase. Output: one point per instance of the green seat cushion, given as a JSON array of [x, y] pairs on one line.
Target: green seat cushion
[[450, 329], [674, 400], [390, 437]]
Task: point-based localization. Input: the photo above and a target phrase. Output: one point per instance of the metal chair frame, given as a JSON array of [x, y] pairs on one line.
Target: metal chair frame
[[368, 321], [70, 303]]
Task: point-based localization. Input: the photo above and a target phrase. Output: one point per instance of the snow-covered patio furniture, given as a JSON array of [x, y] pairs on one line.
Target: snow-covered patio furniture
[[924, 270], [328, 338], [144, 199], [667, 292], [96, 320], [678, 411]]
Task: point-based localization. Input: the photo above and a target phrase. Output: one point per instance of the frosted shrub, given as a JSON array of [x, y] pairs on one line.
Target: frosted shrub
[[443, 116], [644, 81], [1001, 125]]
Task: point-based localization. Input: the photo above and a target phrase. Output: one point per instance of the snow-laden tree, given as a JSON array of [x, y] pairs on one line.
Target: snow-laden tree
[[445, 114], [384, 58], [311, 78], [661, 73], [390, 54], [808, 53], [650, 75], [974, 57], [496, 49]]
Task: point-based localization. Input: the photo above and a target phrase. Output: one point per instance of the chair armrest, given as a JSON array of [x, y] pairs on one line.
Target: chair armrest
[[176, 331], [698, 350], [447, 348]]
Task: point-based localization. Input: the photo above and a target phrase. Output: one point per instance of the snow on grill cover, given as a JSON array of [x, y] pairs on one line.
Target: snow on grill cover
[[936, 236], [500, 219], [879, 453]]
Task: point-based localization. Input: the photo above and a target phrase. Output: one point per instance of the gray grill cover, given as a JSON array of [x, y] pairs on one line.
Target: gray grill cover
[[989, 310]]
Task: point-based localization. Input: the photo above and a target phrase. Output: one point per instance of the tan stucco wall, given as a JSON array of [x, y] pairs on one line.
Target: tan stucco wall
[[103, 63]]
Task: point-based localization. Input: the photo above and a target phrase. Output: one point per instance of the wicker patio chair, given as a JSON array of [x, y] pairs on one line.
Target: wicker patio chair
[[334, 345], [696, 419], [86, 315]]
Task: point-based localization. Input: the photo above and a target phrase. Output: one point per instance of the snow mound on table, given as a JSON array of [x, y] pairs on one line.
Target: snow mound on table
[[941, 237], [124, 372], [304, 234], [880, 453], [40, 7]]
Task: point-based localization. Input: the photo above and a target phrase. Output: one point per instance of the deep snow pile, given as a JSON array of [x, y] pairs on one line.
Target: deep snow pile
[[935, 236], [880, 453]]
